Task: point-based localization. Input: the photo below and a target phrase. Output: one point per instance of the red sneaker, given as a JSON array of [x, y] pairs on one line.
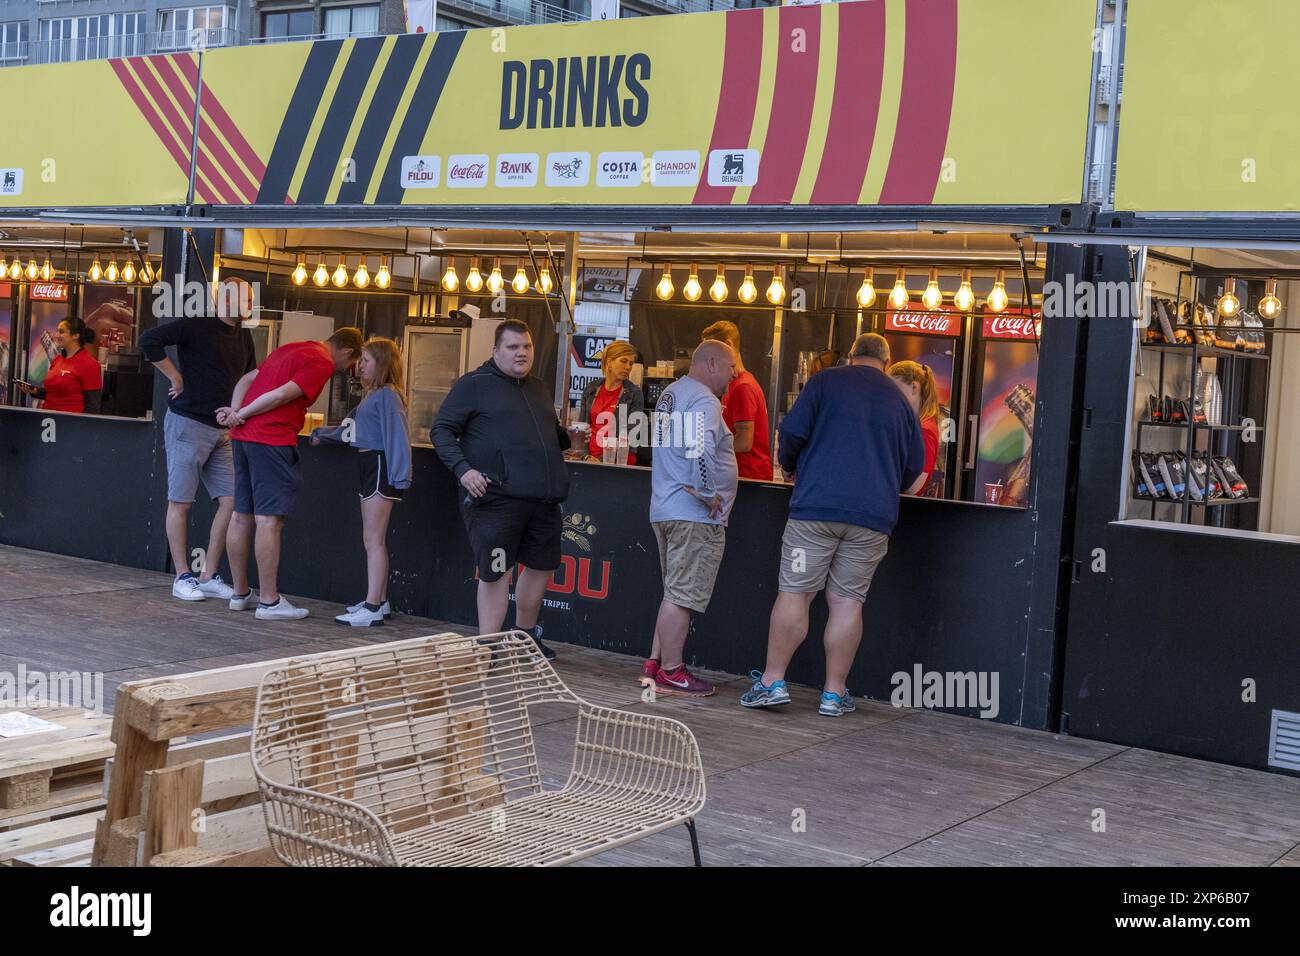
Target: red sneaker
[[682, 681], [649, 671]]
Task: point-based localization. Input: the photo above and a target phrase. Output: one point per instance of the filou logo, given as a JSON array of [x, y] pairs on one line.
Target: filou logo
[[420, 172]]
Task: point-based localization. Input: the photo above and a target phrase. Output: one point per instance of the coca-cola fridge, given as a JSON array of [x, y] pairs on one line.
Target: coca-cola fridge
[[936, 339], [1003, 391]]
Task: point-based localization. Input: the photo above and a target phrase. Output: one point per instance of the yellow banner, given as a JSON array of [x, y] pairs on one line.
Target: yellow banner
[[1206, 122], [889, 102]]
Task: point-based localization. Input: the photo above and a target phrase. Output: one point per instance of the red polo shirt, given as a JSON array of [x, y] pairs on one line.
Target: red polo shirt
[[744, 402], [68, 378], [306, 363]]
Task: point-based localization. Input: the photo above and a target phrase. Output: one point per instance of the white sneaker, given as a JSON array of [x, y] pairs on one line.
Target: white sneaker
[[361, 617], [243, 603], [216, 588], [187, 589], [384, 609], [282, 610]]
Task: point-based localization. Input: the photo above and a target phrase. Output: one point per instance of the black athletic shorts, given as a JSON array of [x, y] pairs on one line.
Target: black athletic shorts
[[267, 478], [374, 476], [503, 531]]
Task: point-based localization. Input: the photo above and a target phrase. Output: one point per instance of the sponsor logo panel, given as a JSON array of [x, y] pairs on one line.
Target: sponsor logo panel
[[619, 169], [516, 169], [1011, 326], [467, 171], [733, 167], [675, 167], [928, 323], [11, 181], [568, 169], [421, 172]]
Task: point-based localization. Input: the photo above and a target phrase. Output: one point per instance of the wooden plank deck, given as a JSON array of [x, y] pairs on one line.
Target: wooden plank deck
[[883, 786]]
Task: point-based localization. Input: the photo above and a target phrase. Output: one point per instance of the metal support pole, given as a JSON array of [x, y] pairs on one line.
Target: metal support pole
[[570, 299]]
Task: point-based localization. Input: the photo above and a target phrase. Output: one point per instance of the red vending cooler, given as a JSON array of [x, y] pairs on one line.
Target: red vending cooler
[[1003, 390]]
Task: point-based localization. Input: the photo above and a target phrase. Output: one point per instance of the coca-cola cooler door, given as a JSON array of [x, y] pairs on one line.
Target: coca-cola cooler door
[[1004, 389]]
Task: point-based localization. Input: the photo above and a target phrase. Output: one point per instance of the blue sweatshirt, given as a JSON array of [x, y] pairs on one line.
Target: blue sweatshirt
[[853, 444], [379, 424]]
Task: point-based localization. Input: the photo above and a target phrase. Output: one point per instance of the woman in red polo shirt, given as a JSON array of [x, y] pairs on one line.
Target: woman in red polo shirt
[[602, 398], [74, 382], [917, 382]]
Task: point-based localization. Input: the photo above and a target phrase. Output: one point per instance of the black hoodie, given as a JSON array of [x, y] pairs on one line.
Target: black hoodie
[[505, 428]]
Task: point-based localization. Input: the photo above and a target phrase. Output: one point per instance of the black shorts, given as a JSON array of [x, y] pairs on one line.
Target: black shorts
[[503, 531], [267, 478], [374, 476]]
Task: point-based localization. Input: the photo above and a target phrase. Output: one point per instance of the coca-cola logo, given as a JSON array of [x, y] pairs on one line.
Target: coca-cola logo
[[50, 291], [469, 171], [1010, 327], [929, 323]]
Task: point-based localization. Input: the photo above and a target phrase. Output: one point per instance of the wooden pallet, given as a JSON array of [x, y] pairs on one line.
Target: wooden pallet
[[51, 774]]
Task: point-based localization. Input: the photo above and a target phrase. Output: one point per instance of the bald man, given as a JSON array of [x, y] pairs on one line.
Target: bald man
[[692, 488]]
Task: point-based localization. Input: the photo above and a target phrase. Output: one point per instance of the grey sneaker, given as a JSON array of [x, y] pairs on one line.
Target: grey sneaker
[[836, 705], [187, 589], [216, 588], [282, 610], [764, 695], [384, 609], [361, 618], [249, 600]]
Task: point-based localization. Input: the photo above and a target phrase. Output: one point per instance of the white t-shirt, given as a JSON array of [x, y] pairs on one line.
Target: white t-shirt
[[692, 448]]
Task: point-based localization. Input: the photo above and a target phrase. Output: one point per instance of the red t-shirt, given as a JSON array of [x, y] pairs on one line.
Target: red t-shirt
[[606, 401], [930, 435], [744, 402], [68, 378], [310, 366]]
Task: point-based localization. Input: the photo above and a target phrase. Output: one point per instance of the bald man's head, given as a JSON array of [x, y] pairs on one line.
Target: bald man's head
[[713, 364]]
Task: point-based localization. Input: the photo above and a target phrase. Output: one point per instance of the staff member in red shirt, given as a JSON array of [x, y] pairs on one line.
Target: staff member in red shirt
[[917, 382], [264, 417], [744, 409], [74, 382], [606, 395]]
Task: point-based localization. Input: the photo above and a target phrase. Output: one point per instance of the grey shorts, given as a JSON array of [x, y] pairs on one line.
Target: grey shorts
[[814, 551], [690, 553], [195, 452]]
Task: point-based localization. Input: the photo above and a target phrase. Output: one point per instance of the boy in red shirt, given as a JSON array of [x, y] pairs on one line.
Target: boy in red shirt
[[744, 409], [264, 416]]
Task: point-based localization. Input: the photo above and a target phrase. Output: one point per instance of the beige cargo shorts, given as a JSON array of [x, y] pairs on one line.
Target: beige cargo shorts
[[813, 552], [690, 553]]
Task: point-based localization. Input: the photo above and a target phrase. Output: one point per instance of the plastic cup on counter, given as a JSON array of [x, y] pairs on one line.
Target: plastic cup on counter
[[993, 492]]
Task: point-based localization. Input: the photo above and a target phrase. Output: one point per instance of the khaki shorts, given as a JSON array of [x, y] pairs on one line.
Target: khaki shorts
[[812, 551], [690, 553]]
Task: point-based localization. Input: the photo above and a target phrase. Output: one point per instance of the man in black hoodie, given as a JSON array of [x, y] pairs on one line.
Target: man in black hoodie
[[498, 433]]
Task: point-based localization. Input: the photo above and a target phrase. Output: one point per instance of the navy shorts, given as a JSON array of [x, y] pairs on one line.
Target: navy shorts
[[503, 531], [267, 478]]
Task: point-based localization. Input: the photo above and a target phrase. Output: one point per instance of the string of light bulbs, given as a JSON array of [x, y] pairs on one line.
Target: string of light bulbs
[[127, 274], [342, 275]]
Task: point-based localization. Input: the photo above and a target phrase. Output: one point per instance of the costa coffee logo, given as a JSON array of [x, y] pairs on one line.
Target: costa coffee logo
[[1010, 327], [50, 291], [927, 323]]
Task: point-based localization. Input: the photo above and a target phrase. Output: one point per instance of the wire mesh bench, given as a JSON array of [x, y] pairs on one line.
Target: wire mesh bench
[[421, 753]]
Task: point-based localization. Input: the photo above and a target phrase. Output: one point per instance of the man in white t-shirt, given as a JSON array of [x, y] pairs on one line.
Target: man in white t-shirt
[[692, 489]]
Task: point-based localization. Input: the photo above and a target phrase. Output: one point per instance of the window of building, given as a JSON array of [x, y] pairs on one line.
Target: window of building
[[441, 23], [351, 21], [176, 27], [91, 38], [285, 24], [13, 41]]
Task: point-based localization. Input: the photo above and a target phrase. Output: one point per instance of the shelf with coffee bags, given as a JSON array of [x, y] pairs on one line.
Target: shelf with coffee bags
[[1204, 351]]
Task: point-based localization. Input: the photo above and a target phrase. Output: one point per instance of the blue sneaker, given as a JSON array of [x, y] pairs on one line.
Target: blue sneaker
[[836, 705], [764, 695]]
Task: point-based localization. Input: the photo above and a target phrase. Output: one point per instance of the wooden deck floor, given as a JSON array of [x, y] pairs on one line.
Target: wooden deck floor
[[883, 786]]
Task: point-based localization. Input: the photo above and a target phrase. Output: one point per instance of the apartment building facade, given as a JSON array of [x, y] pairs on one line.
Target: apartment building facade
[[59, 31]]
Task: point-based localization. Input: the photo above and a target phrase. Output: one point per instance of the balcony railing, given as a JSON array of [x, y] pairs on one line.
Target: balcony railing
[[516, 11], [131, 44]]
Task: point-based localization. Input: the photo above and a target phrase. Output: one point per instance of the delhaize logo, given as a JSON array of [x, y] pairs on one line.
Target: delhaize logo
[[927, 323], [573, 91], [50, 291], [1011, 326], [467, 171]]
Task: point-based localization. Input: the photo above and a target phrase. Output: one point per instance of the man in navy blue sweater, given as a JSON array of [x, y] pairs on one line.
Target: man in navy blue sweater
[[852, 444]]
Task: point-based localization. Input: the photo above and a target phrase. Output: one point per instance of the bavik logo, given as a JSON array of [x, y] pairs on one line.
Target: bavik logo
[[573, 91]]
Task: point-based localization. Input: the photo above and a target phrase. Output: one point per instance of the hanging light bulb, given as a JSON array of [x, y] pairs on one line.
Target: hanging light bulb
[[96, 271], [665, 287], [32, 270], [899, 297], [718, 291], [383, 278], [128, 271], [450, 281], [1228, 303], [867, 291], [1270, 307], [998, 298], [147, 273], [693, 290], [110, 274], [340, 276], [544, 282], [474, 280], [932, 297], [520, 282], [776, 288], [361, 278], [964, 297], [16, 268], [299, 274], [4, 266], [321, 277], [47, 270], [748, 291], [495, 281]]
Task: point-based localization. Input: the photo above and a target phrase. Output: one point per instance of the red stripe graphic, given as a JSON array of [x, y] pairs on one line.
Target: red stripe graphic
[[181, 126], [925, 105], [167, 70], [178, 153], [222, 121], [742, 60], [792, 106], [855, 108]]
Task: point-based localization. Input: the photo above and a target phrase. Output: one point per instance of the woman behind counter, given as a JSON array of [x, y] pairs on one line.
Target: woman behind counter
[[917, 382], [607, 394], [380, 435], [74, 382]]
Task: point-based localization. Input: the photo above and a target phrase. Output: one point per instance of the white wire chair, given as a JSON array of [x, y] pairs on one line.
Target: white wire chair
[[421, 753]]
